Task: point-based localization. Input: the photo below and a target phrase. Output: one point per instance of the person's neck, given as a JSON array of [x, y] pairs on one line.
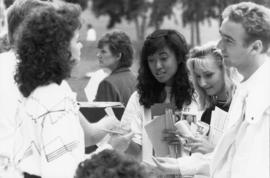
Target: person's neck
[[252, 66], [113, 67], [221, 96]]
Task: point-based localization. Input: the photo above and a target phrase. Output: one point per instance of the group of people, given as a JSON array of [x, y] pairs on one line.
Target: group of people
[[43, 133]]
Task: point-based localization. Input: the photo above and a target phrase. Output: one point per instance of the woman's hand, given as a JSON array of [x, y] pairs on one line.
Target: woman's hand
[[120, 142], [200, 145], [171, 136]]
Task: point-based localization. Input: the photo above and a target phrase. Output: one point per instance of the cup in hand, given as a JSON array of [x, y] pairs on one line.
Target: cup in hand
[[183, 128]]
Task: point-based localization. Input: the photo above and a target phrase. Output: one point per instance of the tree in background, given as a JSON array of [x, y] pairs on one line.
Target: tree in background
[[131, 10], [195, 12], [160, 10], [142, 13]]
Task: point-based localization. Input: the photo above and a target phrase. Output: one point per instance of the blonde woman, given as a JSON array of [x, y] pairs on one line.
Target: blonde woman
[[214, 84]]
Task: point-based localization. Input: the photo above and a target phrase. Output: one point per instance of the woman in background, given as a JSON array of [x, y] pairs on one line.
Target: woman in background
[[115, 57]]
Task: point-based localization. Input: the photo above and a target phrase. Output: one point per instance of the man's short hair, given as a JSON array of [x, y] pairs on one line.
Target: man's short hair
[[255, 20]]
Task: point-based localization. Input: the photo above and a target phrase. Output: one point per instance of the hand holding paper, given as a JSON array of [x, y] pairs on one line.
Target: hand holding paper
[[171, 136], [108, 122], [116, 125], [120, 142], [183, 128], [200, 145]]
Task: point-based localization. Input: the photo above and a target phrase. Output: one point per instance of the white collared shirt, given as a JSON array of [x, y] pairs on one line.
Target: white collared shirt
[[49, 137], [247, 151]]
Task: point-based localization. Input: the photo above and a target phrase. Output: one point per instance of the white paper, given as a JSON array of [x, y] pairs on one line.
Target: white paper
[[100, 104], [154, 131], [217, 125]]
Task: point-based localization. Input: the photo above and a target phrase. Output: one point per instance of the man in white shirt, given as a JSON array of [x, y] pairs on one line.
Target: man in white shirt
[[243, 151]]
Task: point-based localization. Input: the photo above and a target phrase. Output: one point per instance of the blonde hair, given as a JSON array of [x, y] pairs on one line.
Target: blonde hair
[[198, 56]]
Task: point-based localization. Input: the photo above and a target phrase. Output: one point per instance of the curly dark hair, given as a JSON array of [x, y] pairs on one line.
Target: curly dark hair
[[150, 90], [255, 20], [110, 164], [17, 12], [43, 46], [119, 43]]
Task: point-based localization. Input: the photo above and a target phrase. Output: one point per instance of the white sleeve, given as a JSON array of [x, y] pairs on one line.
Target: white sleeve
[[63, 144], [133, 117], [196, 164]]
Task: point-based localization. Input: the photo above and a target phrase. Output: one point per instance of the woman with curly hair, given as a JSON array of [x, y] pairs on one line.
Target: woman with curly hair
[[163, 78], [50, 139]]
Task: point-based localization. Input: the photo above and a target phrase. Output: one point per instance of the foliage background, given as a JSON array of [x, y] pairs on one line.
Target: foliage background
[[197, 20]]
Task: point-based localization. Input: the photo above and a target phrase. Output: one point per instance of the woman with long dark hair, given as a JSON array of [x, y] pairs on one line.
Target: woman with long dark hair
[[163, 78]]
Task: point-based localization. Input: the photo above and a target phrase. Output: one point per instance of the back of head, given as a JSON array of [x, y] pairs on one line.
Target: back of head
[[119, 43], [110, 164], [43, 46], [254, 18], [17, 12]]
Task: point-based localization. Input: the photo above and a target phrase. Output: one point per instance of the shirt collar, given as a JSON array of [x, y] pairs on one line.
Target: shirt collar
[[256, 78], [121, 69]]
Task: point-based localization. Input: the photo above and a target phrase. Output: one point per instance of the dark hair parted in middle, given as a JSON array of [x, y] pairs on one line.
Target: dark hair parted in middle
[[151, 91], [119, 44], [44, 46]]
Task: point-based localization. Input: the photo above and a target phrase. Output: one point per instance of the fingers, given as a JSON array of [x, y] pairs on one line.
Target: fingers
[[159, 162], [194, 139], [169, 131], [193, 144], [171, 139], [129, 135]]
